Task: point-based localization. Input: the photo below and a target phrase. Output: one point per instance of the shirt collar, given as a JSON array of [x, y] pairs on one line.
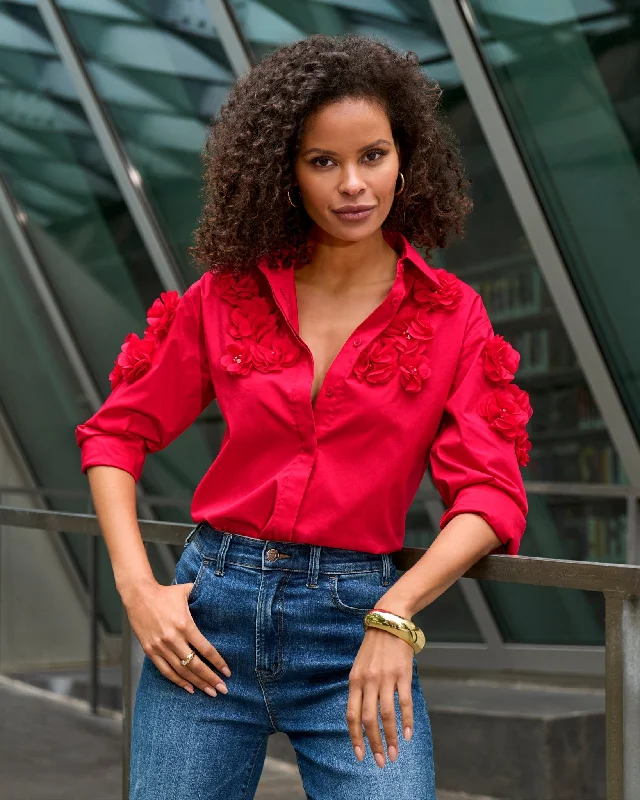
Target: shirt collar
[[282, 280], [406, 251]]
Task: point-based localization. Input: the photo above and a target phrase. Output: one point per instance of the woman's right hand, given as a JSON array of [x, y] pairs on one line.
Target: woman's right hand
[[160, 617]]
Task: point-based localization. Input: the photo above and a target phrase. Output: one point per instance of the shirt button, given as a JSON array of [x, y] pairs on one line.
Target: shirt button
[[395, 301], [329, 390], [357, 341]]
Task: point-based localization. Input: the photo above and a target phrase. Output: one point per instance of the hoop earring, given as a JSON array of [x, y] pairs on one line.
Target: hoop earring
[[395, 194], [290, 200]]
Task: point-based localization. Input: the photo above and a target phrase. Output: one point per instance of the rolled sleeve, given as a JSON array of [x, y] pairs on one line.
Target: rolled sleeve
[[145, 415], [473, 466]]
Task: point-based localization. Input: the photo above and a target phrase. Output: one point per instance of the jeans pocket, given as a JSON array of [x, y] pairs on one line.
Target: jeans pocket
[[191, 568], [357, 592]]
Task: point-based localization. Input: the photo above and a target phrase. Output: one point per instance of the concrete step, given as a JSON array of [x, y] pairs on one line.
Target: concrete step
[[518, 741], [52, 748], [498, 738], [513, 741]]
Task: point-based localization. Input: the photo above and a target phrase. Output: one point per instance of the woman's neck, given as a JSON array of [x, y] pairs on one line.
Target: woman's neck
[[336, 263]]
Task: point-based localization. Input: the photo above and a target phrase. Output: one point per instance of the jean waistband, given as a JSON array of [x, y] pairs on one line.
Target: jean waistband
[[220, 546]]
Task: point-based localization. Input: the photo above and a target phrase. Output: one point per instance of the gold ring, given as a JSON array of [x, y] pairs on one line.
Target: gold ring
[[186, 661]]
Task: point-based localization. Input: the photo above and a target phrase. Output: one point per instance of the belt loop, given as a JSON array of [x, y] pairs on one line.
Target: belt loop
[[222, 552], [386, 569], [314, 565], [191, 533]]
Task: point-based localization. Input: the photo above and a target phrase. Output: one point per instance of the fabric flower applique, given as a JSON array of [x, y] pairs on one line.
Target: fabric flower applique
[[523, 446], [260, 342], [136, 354], [401, 348], [501, 361], [447, 296], [507, 408]]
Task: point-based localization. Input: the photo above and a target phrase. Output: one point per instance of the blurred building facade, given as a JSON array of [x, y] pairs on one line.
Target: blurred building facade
[[103, 111]]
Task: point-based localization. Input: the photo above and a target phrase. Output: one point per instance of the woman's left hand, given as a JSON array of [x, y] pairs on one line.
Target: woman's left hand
[[384, 663]]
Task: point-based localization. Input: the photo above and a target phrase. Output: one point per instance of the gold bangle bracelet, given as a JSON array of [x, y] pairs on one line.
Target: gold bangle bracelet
[[398, 626]]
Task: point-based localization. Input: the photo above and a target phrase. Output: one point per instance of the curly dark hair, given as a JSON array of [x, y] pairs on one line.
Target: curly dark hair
[[252, 145]]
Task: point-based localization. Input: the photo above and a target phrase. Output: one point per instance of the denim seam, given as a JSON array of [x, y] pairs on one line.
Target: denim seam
[[253, 765], [306, 794], [325, 571], [204, 563], [283, 586], [222, 554], [337, 602], [272, 719]]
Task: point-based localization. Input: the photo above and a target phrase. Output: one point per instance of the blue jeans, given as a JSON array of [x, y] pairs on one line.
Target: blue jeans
[[287, 618]]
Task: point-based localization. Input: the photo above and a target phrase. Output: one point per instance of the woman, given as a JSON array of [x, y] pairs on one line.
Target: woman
[[343, 365]]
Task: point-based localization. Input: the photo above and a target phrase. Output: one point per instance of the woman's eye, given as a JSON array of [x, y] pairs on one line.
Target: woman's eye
[[374, 153], [319, 159]]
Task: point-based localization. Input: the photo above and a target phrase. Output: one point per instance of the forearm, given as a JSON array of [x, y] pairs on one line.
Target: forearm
[[114, 497], [460, 544]]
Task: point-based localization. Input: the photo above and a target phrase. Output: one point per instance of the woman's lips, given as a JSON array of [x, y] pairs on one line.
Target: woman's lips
[[354, 216]]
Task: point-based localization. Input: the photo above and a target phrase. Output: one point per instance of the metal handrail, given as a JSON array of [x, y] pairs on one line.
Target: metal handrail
[[620, 585]]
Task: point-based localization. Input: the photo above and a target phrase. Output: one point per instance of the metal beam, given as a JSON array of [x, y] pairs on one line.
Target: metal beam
[[16, 221], [631, 696], [531, 659], [124, 171], [231, 36], [459, 29]]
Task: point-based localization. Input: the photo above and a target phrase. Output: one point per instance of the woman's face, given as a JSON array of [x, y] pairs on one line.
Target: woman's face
[[347, 157]]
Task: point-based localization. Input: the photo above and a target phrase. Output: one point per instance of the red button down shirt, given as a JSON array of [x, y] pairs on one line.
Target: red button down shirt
[[421, 383]]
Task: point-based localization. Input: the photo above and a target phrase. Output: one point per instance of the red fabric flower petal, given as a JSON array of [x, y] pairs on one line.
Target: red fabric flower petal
[[237, 359], [411, 347], [251, 318], [379, 362], [161, 313], [233, 289], [253, 323], [115, 376], [523, 446], [508, 410], [135, 357], [501, 361], [411, 322], [273, 352], [446, 296], [414, 369]]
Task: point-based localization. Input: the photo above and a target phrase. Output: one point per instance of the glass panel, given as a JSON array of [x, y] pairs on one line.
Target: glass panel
[[162, 73], [570, 441], [42, 400], [570, 88], [593, 529], [87, 244]]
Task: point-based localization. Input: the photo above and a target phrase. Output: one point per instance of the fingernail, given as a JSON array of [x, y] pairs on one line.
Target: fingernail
[[380, 759], [407, 733], [393, 753], [358, 750], [222, 688], [210, 691], [189, 689], [226, 671]]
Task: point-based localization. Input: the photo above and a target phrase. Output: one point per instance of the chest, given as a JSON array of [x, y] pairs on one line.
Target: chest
[[326, 321]]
